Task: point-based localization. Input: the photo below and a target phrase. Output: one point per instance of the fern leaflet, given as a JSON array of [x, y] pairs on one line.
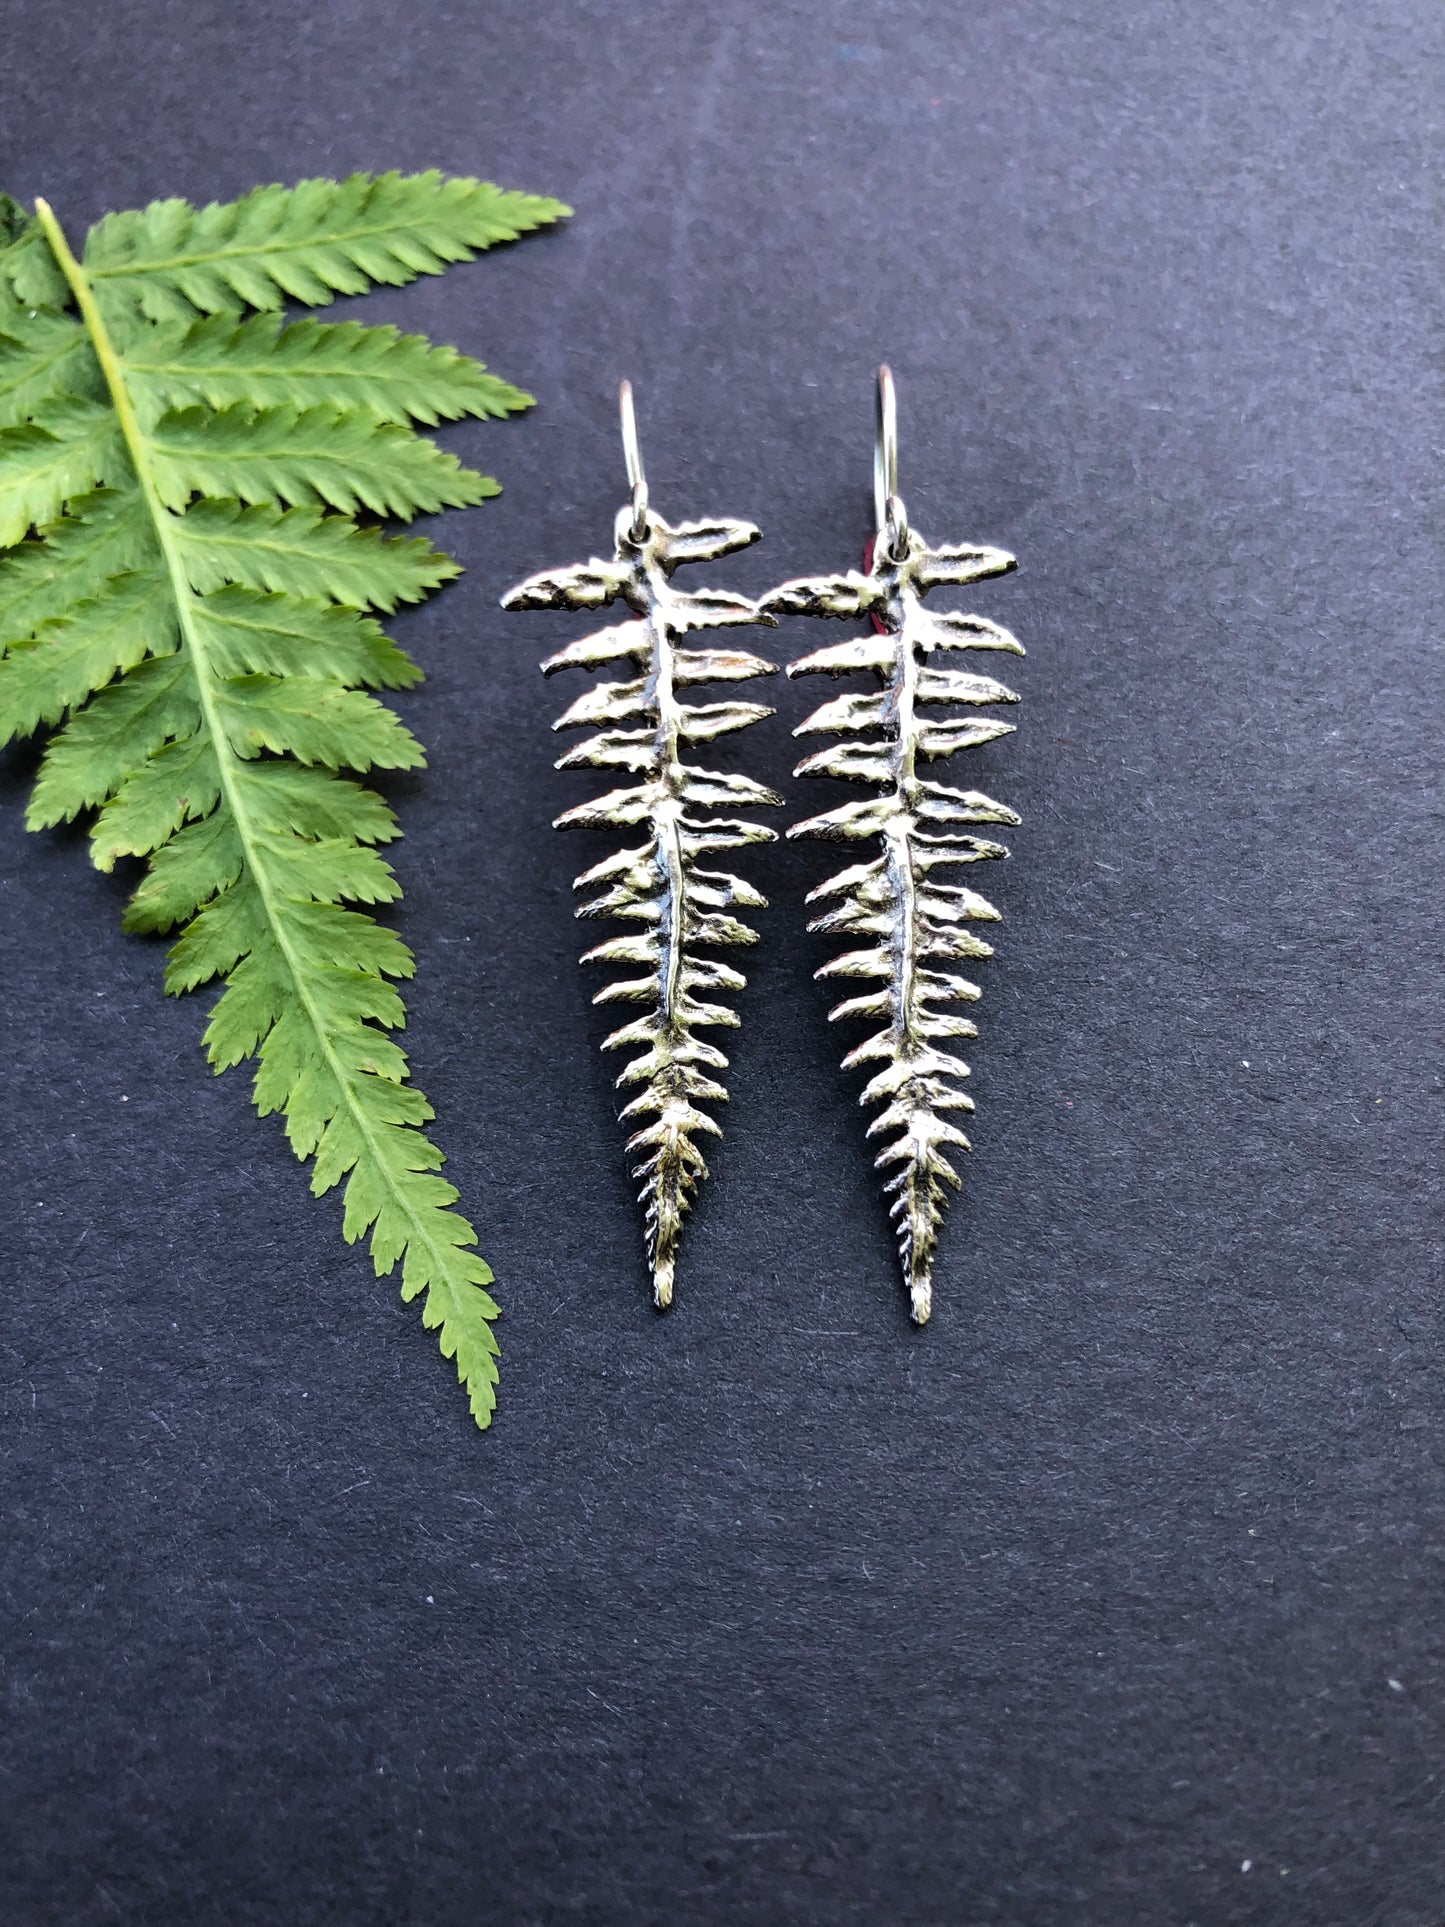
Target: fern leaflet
[[184, 600], [912, 925]]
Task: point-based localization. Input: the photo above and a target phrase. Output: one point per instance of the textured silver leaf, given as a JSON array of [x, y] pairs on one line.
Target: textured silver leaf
[[584, 585], [910, 919], [966, 632], [659, 883], [718, 665], [828, 595], [606, 702], [616, 644]]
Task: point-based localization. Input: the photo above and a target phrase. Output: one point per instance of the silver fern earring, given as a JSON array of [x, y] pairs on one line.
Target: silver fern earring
[[658, 883], [912, 926]]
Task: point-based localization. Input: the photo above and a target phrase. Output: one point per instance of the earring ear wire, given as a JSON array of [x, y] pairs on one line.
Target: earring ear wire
[[890, 518], [632, 457]]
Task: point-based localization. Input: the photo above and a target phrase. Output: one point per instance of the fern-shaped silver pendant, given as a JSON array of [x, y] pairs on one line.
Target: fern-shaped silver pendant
[[913, 926], [659, 883]]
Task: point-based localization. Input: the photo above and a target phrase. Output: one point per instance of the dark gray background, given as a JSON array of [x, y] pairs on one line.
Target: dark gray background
[[1129, 1570]]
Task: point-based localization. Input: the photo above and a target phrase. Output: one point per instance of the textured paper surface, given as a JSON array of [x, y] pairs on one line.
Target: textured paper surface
[[1127, 1571]]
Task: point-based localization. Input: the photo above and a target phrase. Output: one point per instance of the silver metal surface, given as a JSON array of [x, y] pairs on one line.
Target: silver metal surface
[[658, 885], [890, 518], [912, 928], [632, 458]]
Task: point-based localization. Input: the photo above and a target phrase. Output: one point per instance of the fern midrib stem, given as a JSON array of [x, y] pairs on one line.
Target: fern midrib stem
[[905, 883], [900, 853], [113, 369], [671, 771]]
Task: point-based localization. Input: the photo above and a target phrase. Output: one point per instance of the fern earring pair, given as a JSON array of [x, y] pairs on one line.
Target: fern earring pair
[[913, 924]]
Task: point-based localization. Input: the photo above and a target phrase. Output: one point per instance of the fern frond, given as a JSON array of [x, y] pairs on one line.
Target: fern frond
[[908, 923], [185, 595], [660, 884]]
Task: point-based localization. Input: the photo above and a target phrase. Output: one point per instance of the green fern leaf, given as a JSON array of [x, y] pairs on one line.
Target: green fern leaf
[[251, 634], [30, 276], [196, 864], [185, 598], [56, 572], [73, 658], [121, 729], [305, 553], [307, 243], [314, 721], [341, 456], [63, 450], [398, 377], [179, 781], [42, 356]]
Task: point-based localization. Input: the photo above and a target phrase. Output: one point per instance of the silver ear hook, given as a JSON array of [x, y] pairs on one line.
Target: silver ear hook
[[889, 514], [632, 455]]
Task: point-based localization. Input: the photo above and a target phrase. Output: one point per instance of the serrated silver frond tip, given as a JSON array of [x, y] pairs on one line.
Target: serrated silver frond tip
[[920, 1292], [910, 925], [662, 1279], [661, 887]]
